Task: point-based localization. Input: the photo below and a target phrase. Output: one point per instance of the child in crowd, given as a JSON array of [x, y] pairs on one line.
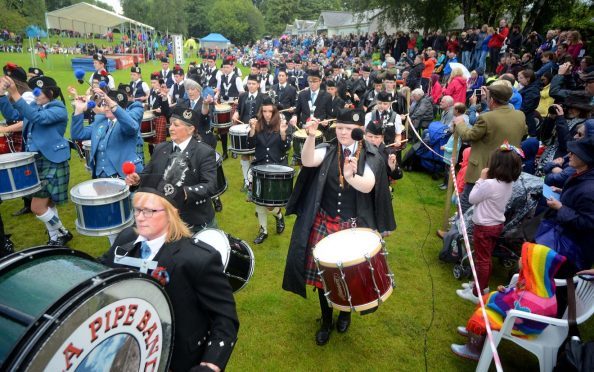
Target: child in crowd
[[448, 148], [489, 196]]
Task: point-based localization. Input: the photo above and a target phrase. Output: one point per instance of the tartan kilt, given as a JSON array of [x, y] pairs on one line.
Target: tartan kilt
[[54, 179], [17, 141], [160, 123], [323, 226]]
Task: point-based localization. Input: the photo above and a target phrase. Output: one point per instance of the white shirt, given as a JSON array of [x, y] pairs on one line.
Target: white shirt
[[154, 244], [182, 146]]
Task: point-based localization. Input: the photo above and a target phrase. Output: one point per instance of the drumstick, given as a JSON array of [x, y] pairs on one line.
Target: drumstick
[[394, 144], [287, 109]]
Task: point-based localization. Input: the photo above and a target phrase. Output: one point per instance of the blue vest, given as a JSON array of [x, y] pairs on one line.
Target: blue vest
[[137, 89]]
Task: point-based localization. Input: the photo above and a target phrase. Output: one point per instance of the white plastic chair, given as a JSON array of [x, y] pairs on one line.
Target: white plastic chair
[[545, 345]]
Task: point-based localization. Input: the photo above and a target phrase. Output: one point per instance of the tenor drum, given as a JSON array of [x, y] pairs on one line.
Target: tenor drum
[[5, 145], [299, 138], [222, 116], [353, 269], [147, 126], [272, 184], [18, 175], [221, 180], [63, 311], [239, 136], [236, 255], [103, 206], [86, 146]]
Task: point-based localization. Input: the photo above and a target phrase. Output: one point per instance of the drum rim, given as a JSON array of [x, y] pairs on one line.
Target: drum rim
[[355, 261], [367, 306], [252, 266], [105, 231], [239, 126], [42, 328], [226, 237], [87, 143], [89, 200], [259, 168], [22, 192], [222, 125], [24, 158]]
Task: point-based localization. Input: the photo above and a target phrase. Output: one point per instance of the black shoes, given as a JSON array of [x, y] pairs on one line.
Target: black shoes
[[344, 321], [22, 211], [280, 224], [225, 156], [8, 246], [64, 237], [261, 237], [218, 205], [323, 334]]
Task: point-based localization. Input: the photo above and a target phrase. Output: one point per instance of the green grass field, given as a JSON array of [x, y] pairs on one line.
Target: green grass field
[[277, 328]]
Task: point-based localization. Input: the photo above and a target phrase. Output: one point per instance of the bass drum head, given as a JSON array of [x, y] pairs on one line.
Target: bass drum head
[[347, 247], [98, 318], [240, 129], [216, 239], [241, 263]]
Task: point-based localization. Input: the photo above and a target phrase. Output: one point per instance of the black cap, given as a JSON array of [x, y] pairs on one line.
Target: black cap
[[314, 74], [155, 184], [35, 71], [330, 84], [351, 116], [135, 69], [119, 96], [253, 77], [100, 78], [156, 75], [267, 101], [583, 149], [579, 100], [377, 80], [384, 97], [226, 62], [365, 69], [186, 115], [390, 76], [164, 60], [178, 71], [125, 88], [15, 72], [377, 130], [100, 57], [42, 82]]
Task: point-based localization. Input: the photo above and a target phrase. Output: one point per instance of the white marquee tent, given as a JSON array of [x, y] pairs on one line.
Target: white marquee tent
[[86, 18]]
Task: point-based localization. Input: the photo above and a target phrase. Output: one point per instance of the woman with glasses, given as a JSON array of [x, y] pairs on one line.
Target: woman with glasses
[[188, 163], [192, 274]]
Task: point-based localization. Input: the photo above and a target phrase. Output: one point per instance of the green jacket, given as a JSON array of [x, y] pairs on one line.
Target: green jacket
[[488, 133]]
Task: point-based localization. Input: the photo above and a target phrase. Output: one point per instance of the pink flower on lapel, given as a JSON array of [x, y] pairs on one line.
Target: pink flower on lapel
[[161, 274]]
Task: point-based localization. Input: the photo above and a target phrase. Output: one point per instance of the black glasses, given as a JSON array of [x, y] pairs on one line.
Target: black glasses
[[148, 213]]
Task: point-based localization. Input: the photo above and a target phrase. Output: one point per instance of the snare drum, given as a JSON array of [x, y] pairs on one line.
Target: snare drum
[[64, 311], [221, 180], [236, 255], [239, 136], [5, 145], [353, 269], [299, 138], [272, 184], [18, 175], [86, 146], [147, 126], [103, 206], [222, 116]]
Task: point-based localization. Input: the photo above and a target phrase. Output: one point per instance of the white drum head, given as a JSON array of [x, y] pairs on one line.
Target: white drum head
[[301, 133], [347, 247], [216, 239], [241, 129], [148, 115], [99, 188], [86, 144]]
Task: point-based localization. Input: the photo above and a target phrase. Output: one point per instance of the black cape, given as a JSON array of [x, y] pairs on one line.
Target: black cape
[[374, 210]]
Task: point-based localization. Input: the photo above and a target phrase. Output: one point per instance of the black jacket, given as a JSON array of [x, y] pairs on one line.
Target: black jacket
[[206, 322], [203, 129], [243, 106], [385, 152], [285, 99], [323, 106], [270, 148], [374, 210], [413, 80], [200, 179]]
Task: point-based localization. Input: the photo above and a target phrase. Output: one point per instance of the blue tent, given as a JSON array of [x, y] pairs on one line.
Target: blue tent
[[214, 41]]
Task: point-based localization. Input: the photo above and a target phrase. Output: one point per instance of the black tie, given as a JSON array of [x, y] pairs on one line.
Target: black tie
[[176, 148], [346, 153]]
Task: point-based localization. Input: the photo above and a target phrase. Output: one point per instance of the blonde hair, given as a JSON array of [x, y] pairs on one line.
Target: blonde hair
[[456, 71], [177, 228]]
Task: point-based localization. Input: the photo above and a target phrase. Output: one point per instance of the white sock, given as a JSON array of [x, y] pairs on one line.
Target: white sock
[[112, 238], [245, 166], [262, 218], [52, 223], [55, 210], [277, 212]]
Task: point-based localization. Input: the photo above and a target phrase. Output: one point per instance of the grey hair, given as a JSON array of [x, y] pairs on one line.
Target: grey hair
[[191, 84], [448, 99], [418, 92]]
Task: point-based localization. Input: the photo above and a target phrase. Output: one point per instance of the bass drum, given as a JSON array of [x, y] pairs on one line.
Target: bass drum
[[60, 310]]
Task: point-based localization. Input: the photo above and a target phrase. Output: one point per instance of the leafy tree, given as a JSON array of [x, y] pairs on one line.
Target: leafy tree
[[136, 9], [16, 15], [238, 20], [278, 13]]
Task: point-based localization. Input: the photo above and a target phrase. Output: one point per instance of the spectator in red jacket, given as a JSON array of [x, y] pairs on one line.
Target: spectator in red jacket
[[574, 44], [456, 86], [496, 43], [436, 89]]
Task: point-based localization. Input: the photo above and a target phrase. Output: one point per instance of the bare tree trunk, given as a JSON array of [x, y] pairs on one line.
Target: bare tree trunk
[[466, 7], [534, 13]]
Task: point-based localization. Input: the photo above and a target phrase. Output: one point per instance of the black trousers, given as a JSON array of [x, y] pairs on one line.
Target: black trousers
[[327, 310]]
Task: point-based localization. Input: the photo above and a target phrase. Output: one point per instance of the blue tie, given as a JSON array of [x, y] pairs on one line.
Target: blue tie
[[145, 250]]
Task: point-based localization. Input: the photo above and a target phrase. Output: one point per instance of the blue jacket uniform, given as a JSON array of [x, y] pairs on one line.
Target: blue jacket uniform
[[43, 127], [121, 141], [136, 112]]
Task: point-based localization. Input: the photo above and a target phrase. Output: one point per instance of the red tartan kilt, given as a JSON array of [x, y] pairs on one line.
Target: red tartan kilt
[[323, 226], [160, 124], [17, 141]]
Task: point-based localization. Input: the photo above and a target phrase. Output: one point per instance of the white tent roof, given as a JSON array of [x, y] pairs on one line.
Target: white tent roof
[[86, 18]]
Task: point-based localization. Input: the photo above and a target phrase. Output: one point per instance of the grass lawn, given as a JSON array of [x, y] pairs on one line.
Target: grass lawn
[[277, 327]]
